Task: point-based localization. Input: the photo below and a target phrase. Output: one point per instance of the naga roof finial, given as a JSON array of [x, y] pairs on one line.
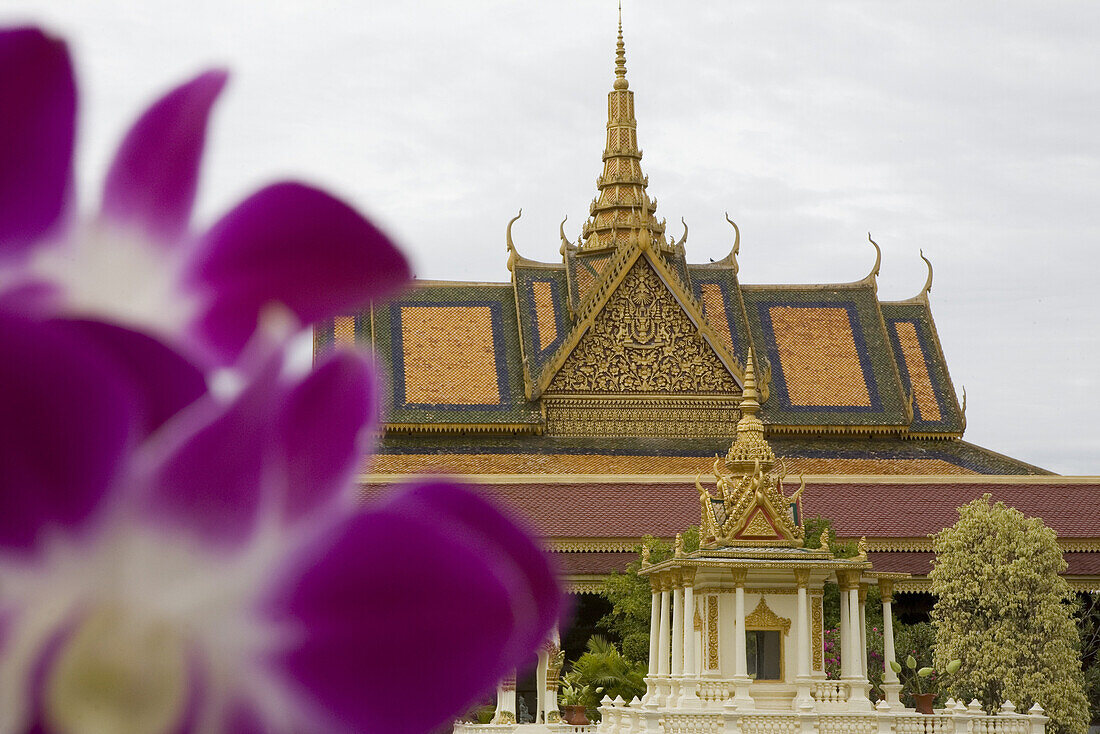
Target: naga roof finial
[[964, 409], [684, 238], [565, 243], [512, 254], [731, 258], [878, 258], [927, 283]]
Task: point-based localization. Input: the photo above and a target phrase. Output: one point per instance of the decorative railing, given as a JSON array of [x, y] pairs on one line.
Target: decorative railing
[[769, 723], [847, 723], [831, 691], [466, 728], [712, 691], [694, 723], [620, 717], [924, 724]]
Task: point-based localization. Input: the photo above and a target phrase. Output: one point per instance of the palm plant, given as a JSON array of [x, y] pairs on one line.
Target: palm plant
[[605, 672]]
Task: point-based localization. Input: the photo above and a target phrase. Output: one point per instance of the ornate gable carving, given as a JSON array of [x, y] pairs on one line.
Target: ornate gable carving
[[643, 342], [763, 618]]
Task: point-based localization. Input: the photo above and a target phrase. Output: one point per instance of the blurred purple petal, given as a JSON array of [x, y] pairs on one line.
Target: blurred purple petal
[[155, 174], [213, 479], [243, 719], [284, 447], [471, 519], [290, 244], [165, 382], [324, 431], [37, 127], [417, 578], [31, 298], [65, 424]]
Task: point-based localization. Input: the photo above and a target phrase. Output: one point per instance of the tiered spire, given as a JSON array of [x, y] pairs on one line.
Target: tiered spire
[[749, 507], [621, 211], [750, 446]]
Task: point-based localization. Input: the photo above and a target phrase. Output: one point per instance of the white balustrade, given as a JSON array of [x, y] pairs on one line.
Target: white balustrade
[[713, 691], [758, 723], [713, 714], [830, 691], [847, 724], [924, 724], [694, 723]]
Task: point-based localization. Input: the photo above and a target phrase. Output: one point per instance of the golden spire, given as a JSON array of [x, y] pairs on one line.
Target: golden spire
[[620, 56], [749, 447], [621, 213]]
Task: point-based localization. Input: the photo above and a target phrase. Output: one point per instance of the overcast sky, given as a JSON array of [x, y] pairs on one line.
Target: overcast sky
[[967, 129]]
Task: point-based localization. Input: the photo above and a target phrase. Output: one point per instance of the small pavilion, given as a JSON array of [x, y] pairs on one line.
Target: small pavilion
[[736, 627], [741, 618]]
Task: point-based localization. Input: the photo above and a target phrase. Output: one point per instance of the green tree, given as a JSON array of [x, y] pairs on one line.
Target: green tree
[[1088, 624], [1006, 613], [630, 595]]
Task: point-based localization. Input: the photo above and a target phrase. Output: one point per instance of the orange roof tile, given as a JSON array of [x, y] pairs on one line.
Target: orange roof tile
[[817, 353]]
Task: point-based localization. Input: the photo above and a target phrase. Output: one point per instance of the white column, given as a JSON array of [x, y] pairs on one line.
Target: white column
[[654, 626], [550, 705], [540, 681], [859, 653], [689, 688], [740, 662], [891, 686], [857, 682], [863, 627], [845, 642], [803, 699], [742, 699], [506, 700], [888, 674], [689, 630], [678, 629], [664, 634], [803, 633]]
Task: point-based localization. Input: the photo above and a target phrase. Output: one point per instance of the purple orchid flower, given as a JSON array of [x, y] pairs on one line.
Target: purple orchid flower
[[177, 560], [288, 246]]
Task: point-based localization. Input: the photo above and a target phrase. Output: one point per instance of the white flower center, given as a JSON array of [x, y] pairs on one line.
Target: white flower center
[[118, 675], [153, 611], [117, 274]]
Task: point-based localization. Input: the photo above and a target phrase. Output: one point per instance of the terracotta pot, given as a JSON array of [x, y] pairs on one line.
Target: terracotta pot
[[923, 702], [575, 715]]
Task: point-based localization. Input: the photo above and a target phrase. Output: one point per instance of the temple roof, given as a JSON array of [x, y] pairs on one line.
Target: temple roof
[[576, 365], [835, 358]]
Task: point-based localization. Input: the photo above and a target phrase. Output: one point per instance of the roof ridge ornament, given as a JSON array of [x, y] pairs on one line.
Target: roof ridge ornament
[[927, 283], [878, 260], [565, 243], [964, 408], [683, 239], [513, 255], [731, 258]]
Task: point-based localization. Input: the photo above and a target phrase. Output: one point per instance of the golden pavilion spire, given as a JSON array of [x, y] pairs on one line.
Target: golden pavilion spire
[[621, 211], [748, 506], [749, 447]]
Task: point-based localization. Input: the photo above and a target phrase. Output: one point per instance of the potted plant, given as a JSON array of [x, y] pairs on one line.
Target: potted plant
[[923, 699], [573, 698]]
